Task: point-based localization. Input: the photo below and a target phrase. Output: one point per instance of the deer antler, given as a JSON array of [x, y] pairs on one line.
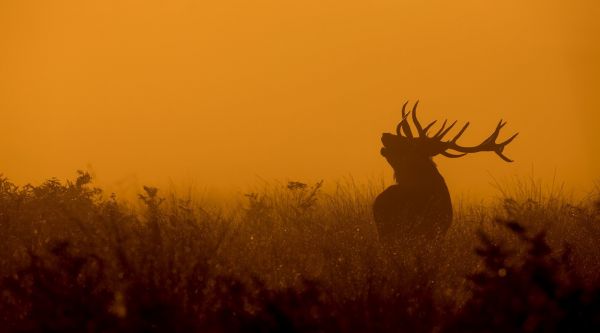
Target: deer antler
[[403, 124], [488, 144]]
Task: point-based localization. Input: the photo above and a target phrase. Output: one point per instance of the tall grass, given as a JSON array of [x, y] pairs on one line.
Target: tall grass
[[290, 257]]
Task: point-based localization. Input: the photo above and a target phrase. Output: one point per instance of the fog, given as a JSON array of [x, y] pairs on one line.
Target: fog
[[222, 94]]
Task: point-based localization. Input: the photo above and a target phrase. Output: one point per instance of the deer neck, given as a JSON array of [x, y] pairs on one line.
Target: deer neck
[[418, 175]]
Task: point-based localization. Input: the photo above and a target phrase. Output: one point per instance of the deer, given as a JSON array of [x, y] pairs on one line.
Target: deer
[[418, 205]]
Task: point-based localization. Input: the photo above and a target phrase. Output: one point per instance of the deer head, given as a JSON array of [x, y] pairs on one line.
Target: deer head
[[405, 148]]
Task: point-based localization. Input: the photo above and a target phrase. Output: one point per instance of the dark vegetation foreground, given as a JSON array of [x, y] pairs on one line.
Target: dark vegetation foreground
[[291, 259]]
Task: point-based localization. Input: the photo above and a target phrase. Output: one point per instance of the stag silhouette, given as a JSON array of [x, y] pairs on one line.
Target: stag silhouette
[[419, 205]]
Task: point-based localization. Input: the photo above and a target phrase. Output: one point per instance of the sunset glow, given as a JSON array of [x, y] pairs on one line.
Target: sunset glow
[[225, 93]]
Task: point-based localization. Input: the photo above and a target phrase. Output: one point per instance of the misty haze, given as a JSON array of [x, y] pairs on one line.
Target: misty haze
[[322, 166]]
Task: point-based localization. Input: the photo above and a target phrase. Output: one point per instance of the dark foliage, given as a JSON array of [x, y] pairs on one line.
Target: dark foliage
[[534, 291], [73, 261]]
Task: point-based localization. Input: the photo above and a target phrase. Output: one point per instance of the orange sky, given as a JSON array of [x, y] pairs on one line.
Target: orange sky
[[221, 93]]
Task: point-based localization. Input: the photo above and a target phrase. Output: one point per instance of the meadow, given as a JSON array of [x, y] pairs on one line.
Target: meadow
[[292, 257]]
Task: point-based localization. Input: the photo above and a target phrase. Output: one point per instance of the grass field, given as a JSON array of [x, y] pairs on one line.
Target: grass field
[[291, 257]]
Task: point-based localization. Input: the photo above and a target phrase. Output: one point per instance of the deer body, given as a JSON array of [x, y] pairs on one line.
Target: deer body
[[418, 206]]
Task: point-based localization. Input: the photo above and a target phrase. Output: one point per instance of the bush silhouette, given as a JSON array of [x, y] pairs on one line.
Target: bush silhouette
[[291, 257], [534, 291]]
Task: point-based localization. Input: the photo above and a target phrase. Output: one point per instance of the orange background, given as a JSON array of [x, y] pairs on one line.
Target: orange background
[[222, 93]]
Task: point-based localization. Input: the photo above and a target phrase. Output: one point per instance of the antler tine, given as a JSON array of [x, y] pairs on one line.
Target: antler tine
[[403, 117], [447, 154], [494, 136], [426, 129], [460, 133], [441, 135], [404, 114], [401, 125], [441, 129], [416, 121], [404, 124], [509, 140], [499, 151]]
